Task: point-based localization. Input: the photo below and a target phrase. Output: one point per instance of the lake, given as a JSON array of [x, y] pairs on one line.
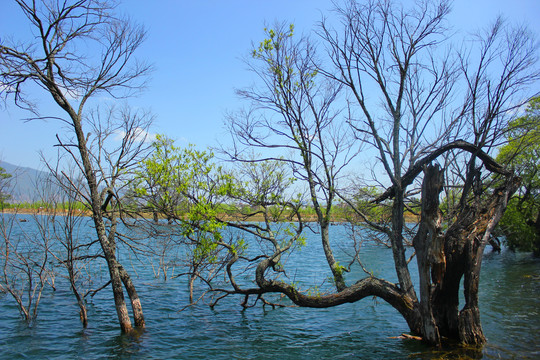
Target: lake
[[368, 329]]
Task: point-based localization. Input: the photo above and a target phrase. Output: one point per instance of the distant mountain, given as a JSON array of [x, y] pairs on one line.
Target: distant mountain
[[25, 183]]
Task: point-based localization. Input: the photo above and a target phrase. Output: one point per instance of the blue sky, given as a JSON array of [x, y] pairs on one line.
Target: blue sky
[[196, 48]]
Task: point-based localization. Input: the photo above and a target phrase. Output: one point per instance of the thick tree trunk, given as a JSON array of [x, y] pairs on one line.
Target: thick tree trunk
[[465, 242], [443, 260], [445, 297], [429, 252]]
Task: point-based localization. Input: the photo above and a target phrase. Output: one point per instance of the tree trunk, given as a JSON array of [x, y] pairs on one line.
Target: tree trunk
[[443, 260], [337, 270], [107, 244], [429, 252], [464, 244], [119, 301], [133, 296], [445, 297], [398, 249], [118, 291], [190, 285], [80, 301]]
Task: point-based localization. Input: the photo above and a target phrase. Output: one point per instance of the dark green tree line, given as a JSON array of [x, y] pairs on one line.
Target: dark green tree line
[[4, 187], [521, 221]]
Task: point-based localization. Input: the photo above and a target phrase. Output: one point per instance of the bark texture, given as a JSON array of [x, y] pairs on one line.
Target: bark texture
[[464, 244], [429, 251]]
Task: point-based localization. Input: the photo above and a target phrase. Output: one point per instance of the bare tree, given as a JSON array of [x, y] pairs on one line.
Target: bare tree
[[402, 91], [73, 249], [81, 50], [26, 265], [293, 114], [391, 55]]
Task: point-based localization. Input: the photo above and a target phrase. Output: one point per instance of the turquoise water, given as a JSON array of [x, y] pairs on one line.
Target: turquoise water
[[510, 303]]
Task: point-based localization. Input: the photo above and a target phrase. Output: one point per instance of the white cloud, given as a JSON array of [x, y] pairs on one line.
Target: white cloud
[[70, 94], [518, 111], [140, 135], [7, 88]]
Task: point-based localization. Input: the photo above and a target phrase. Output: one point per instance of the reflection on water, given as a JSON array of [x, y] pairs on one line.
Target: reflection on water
[[509, 298]]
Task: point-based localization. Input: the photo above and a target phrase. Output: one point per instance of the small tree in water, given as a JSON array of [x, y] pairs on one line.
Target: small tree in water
[[81, 50]]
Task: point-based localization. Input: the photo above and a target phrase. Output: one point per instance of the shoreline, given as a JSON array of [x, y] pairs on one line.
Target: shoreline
[[254, 218]]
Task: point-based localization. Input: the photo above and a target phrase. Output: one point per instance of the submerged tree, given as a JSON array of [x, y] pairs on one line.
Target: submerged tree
[[72, 248], [81, 50], [396, 54], [25, 263], [293, 115], [222, 208], [383, 54]]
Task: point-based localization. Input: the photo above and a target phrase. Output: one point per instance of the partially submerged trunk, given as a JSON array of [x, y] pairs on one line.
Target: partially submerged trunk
[[80, 300], [190, 288], [445, 259], [116, 283], [337, 270], [136, 306], [117, 274], [429, 251]]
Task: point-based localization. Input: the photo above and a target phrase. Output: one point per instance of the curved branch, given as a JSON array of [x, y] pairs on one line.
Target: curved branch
[[413, 172], [366, 287]]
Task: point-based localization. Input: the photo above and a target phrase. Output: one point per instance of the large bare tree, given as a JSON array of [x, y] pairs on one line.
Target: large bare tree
[[81, 50], [412, 101], [386, 54]]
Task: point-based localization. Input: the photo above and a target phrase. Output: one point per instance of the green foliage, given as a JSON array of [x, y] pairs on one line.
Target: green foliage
[[184, 184], [363, 202], [314, 291], [187, 185], [3, 174], [514, 225], [169, 174], [3, 187], [521, 221], [274, 41], [286, 66], [339, 268]]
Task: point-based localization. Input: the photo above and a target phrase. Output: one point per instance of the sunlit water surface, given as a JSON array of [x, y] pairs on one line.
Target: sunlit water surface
[[368, 329]]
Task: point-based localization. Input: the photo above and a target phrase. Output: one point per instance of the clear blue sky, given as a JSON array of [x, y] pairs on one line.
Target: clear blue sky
[[196, 48]]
